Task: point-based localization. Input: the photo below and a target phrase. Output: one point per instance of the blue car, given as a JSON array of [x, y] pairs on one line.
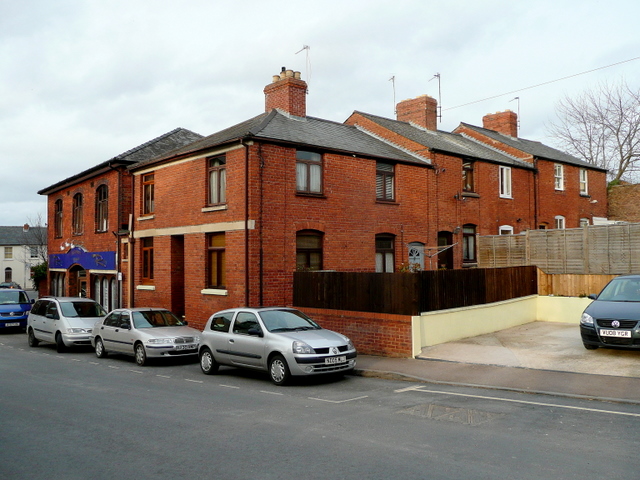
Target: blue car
[[14, 308]]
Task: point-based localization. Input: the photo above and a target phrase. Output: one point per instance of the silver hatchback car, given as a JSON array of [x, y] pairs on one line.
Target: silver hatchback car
[[144, 333], [281, 341]]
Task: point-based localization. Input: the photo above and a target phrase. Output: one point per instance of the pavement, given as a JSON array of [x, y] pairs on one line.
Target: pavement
[[538, 357]]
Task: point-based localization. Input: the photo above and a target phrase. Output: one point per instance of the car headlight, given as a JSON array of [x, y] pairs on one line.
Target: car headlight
[[78, 330], [160, 341], [586, 319], [350, 345], [301, 347]]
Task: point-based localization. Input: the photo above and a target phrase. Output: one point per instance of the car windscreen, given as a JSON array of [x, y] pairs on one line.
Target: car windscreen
[[287, 321], [10, 297], [82, 309], [621, 290], [155, 318]]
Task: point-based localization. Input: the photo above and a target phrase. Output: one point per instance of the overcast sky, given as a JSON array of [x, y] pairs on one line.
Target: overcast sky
[[82, 81]]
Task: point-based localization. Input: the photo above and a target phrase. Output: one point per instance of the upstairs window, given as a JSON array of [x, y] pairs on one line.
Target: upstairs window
[[505, 182], [148, 200], [308, 250], [216, 265], [217, 180], [385, 253], [102, 208], [469, 243], [57, 219], [78, 214], [147, 260], [308, 172], [385, 182], [584, 182], [468, 183], [8, 253], [558, 174]]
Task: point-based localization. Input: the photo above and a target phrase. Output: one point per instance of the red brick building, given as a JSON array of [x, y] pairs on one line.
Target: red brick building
[[89, 215], [225, 220]]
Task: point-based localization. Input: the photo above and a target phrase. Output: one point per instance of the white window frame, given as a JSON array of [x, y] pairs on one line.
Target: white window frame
[[584, 222], [558, 176], [560, 222], [505, 182], [8, 253], [505, 230], [584, 182]]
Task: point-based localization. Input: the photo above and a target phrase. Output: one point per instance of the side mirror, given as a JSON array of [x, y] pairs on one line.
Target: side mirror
[[256, 332], [593, 296], [125, 325], [33, 300]]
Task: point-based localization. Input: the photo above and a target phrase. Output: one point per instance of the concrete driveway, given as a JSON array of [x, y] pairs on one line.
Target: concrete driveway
[[541, 346]]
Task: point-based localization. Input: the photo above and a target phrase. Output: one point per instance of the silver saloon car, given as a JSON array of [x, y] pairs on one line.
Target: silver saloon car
[[144, 333], [281, 341]]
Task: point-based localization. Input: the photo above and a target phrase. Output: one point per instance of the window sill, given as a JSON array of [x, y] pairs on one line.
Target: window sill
[[470, 194], [470, 265], [310, 195], [145, 287], [214, 208], [386, 202], [214, 291], [585, 195], [146, 217], [506, 197]]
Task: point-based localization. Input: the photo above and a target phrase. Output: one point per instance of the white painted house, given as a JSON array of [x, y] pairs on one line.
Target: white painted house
[[20, 249]]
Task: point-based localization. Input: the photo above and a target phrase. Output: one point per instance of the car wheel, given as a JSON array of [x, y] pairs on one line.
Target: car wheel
[[60, 346], [101, 352], [31, 338], [279, 370], [589, 346], [208, 364], [141, 355]]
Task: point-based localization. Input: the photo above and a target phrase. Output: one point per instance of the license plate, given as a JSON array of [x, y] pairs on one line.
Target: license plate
[[616, 333], [332, 360], [12, 324], [185, 347]]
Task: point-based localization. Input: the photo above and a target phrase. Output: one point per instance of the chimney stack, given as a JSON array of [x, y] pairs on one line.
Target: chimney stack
[[503, 122], [287, 92], [421, 110]]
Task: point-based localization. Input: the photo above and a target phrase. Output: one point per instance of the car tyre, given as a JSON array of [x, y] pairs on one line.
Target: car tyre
[[60, 346], [589, 346], [279, 370], [208, 364], [101, 352], [31, 338], [140, 354]]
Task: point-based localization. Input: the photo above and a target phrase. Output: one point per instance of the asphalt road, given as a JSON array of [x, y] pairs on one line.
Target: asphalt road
[[74, 416]]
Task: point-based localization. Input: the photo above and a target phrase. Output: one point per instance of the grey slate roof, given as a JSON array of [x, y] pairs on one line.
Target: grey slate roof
[[16, 235], [303, 131], [534, 148], [153, 148], [451, 143]]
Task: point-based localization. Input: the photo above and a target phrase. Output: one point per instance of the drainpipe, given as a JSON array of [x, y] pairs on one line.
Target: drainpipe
[[260, 216], [246, 223]]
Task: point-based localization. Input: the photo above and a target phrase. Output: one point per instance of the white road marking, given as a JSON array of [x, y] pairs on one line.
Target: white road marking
[[135, 371], [338, 401], [271, 393], [227, 386], [193, 381], [163, 376], [541, 404]]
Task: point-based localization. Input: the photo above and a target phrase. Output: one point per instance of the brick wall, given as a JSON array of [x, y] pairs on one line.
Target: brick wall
[[371, 333], [624, 203]]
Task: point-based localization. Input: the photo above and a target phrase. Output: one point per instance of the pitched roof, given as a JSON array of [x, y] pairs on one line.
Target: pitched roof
[[534, 148], [153, 148], [17, 235], [451, 143], [300, 131]]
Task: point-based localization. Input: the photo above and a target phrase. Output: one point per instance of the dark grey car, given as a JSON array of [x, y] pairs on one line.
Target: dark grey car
[[613, 318]]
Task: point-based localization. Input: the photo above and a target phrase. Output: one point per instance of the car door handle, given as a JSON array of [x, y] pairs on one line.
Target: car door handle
[[117, 329], [231, 340]]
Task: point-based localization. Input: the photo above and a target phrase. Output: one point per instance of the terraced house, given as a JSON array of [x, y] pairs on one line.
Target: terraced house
[[226, 220]]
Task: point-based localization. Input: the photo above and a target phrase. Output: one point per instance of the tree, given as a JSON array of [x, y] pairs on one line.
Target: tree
[[602, 126]]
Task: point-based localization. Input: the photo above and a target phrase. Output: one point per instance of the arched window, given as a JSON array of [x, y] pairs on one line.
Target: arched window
[[78, 213], [559, 221], [217, 180], [309, 250], [385, 253], [102, 208], [8, 274], [57, 221]]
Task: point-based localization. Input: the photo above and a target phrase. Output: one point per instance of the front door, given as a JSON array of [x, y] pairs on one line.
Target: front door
[[445, 255]]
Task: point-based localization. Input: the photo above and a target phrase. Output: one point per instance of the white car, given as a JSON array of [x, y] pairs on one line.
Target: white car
[[281, 341], [65, 321], [144, 333]]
